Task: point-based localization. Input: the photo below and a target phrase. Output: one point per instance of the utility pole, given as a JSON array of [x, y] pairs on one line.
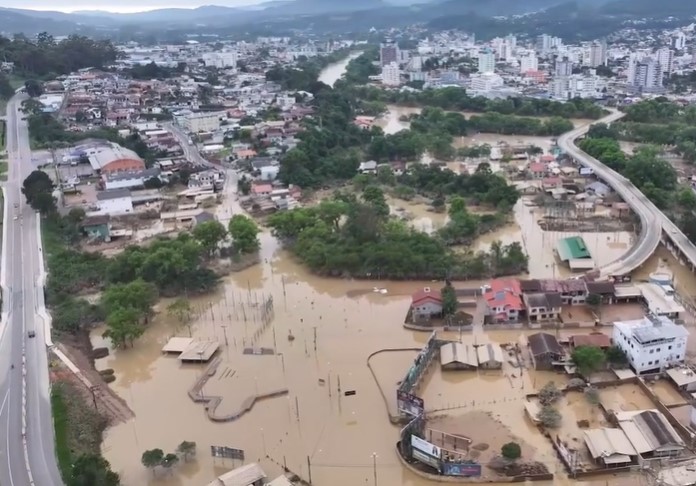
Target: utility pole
[[309, 470], [374, 466]]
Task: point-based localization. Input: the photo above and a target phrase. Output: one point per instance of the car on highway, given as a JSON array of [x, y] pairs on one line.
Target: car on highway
[[32, 334]]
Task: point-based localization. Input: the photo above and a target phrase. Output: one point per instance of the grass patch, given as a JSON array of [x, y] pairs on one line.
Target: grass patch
[[78, 426], [3, 170], [3, 130], [61, 427]]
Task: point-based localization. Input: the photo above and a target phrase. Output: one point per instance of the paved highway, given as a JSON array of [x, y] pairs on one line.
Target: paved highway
[[651, 218], [190, 150], [27, 459]]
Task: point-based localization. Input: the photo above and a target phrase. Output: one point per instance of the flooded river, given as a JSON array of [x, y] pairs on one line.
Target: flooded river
[[333, 72]]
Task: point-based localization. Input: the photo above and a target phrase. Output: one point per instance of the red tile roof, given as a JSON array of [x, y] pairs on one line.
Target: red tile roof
[[538, 167], [504, 293], [426, 294]]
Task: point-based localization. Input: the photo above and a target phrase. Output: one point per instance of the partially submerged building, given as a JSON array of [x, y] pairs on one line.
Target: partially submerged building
[[545, 350], [573, 252], [652, 343], [458, 356], [490, 356]]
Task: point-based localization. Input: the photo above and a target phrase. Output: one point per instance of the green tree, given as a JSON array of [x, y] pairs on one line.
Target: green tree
[[38, 191], [187, 450], [91, 470], [374, 196], [137, 295], [449, 300], [244, 233], [33, 88], [123, 326], [181, 310], [152, 458], [210, 234], [244, 185], [511, 451], [588, 359]]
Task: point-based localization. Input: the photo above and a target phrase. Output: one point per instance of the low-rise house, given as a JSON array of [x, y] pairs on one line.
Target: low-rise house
[[610, 447], [504, 300], [458, 356], [96, 227], [426, 303], [652, 343], [683, 378], [115, 202], [129, 180], [599, 189], [650, 434], [605, 289], [264, 189], [490, 356], [369, 167], [543, 306], [545, 350], [538, 170]]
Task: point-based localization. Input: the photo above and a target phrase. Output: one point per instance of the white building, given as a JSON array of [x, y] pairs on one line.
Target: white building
[[651, 343], [648, 75], [680, 41], [530, 62], [202, 122], [115, 202], [598, 54], [665, 57], [563, 67], [220, 60], [486, 81], [486, 61], [391, 74]]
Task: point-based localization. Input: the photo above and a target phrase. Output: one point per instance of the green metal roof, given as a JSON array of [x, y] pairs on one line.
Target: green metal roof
[[572, 248]]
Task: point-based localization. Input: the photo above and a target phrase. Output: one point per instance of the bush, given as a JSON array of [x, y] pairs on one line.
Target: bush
[[549, 394], [549, 417], [511, 450]]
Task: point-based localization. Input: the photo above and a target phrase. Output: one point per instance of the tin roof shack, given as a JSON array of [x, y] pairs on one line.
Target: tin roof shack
[[596, 339], [610, 447], [573, 251], [545, 350], [458, 356], [490, 356], [249, 475], [650, 433]]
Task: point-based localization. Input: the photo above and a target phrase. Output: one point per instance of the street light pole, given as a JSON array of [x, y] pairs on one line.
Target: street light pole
[[374, 466]]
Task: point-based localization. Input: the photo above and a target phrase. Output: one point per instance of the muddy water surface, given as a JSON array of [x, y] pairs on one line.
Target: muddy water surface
[[333, 72]]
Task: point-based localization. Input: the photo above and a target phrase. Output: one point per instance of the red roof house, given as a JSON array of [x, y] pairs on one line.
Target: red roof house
[[504, 300], [426, 303]]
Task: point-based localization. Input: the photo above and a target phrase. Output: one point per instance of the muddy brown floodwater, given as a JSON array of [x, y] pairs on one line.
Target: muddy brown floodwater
[[338, 433]]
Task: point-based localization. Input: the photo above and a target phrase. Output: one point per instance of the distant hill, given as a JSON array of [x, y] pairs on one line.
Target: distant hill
[[650, 8]]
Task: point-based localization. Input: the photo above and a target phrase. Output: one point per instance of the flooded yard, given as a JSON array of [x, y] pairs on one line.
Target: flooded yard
[[625, 398]]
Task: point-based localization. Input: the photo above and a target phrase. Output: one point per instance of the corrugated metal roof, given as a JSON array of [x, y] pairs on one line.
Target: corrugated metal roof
[[606, 442], [242, 476], [489, 353], [458, 353]]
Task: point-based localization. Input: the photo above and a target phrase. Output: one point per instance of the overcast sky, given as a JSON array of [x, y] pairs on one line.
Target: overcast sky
[[120, 6]]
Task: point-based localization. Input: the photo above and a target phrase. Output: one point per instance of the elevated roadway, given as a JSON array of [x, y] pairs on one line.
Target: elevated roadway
[[655, 225]]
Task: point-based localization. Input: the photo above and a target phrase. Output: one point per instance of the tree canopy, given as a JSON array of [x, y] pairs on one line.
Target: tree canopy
[[351, 236], [588, 359], [38, 190], [46, 58]]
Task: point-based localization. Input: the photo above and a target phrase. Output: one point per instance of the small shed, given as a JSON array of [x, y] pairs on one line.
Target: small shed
[[610, 447], [545, 349], [597, 339], [248, 475], [684, 378], [490, 356], [458, 356]]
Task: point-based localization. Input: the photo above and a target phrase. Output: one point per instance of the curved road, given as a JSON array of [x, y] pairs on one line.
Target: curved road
[[651, 218], [27, 451]]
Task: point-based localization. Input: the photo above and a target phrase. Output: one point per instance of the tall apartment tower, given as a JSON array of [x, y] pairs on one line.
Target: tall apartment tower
[[388, 53]]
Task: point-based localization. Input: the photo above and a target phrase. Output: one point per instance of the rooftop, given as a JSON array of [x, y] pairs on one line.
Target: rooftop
[[542, 343], [458, 353], [653, 328], [611, 445], [572, 248], [113, 194], [242, 476]]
